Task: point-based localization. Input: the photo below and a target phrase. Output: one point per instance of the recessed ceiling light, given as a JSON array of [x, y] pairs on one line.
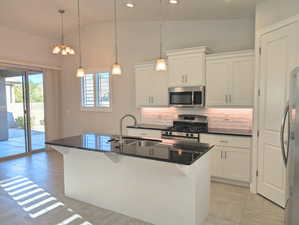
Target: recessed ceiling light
[[130, 4], [174, 2]]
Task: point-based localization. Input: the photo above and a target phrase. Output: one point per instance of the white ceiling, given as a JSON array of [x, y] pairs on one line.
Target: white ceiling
[[40, 16]]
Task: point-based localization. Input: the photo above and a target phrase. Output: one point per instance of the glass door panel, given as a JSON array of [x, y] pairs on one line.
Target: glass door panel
[[36, 112], [13, 125]]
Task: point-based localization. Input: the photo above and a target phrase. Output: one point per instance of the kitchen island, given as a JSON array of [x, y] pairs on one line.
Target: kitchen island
[[164, 182]]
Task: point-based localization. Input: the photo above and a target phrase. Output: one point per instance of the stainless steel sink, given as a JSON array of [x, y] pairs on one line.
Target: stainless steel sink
[[144, 143], [139, 142]]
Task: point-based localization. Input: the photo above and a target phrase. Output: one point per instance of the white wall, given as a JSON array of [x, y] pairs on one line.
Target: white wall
[[272, 11], [24, 47], [139, 41]]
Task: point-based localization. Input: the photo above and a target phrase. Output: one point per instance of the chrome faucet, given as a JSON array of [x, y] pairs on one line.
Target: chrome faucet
[[121, 125]]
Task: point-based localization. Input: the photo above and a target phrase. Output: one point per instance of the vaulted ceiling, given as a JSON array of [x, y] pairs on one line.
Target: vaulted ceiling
[[40, 16]]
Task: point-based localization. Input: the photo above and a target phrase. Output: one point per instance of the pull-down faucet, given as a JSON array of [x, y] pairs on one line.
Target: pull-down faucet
[[121, 125]]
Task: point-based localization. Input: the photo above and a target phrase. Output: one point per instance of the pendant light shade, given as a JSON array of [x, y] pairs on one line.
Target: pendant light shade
[[161, 65], [116, 67], [62, 48], [80, 70]]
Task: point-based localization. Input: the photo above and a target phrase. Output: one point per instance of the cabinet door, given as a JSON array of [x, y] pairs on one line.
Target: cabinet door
[[143, 89], [186, 70], [242, 82], [159, 88], [236, 164], [216, 162], [218, 83]]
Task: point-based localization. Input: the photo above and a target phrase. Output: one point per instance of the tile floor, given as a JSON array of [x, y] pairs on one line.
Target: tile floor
[[230, 205]]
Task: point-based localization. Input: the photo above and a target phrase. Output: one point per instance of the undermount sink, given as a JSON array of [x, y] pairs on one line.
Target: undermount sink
[[144, 143], [139, 142]]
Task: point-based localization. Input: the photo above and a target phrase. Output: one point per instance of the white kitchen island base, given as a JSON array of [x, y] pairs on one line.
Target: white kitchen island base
[[157, 192]]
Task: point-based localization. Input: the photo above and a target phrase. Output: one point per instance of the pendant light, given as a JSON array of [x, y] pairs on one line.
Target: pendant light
[[116, 68], [80, 70], [161, 64], [62, 48]]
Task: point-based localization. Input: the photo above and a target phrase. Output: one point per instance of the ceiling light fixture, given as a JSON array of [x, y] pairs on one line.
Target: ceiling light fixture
[[116, 68], [62, 48], [130, 4], [80, 70], [174, 2], [161, 64]]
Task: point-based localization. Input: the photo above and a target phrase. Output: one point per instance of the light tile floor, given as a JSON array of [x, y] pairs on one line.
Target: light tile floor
[[230, 205]]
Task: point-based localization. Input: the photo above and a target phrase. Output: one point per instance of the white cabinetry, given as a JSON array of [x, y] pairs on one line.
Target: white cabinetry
[[151, 86], [144, 133], [187, 67], [230, 156], [230, 79]]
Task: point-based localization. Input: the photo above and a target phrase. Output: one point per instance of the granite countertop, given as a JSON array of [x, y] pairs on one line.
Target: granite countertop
[[171, 151], [224, 131], [150, 127]]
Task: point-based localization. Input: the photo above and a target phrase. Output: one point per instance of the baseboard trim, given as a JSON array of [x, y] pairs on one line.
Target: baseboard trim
[[232, 182], [3, 159]]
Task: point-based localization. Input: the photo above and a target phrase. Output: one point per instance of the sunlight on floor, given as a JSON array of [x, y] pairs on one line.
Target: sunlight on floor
[[22, 188]]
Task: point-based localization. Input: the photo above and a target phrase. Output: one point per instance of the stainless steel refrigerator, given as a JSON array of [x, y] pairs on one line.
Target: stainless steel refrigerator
[[290, 150]]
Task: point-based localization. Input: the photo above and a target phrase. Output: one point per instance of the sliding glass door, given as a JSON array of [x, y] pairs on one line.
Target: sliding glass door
[[13, 127], [21, 112], [36, 110]]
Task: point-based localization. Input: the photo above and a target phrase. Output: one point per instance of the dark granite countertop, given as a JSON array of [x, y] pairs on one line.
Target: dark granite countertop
[[170, 151], [150, 127], [224, 131]]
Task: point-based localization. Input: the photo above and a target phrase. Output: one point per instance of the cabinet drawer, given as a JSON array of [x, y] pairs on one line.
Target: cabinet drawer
[[144, 133], [226, 140]]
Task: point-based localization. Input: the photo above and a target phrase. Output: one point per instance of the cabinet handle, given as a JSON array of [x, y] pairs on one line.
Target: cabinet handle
[[183, 78], [225, 155], [152, 99], [225, 99], [223, 141], [186, 78], [230, 99], [221, 154]]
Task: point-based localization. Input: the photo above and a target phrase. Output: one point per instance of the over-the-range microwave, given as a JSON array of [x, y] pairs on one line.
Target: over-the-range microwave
[[187, 96]]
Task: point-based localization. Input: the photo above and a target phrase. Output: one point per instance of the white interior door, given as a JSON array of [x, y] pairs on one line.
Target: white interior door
[[278, 59]]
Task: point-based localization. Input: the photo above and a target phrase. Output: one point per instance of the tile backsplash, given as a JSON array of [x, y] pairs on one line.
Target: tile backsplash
[[218, 117]]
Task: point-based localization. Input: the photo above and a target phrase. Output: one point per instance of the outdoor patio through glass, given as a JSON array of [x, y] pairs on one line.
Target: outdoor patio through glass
[[21, 112]]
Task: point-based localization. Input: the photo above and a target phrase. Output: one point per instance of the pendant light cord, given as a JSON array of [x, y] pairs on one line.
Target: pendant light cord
[[161, 21], [79, 35], [62, 26], [115, 32]]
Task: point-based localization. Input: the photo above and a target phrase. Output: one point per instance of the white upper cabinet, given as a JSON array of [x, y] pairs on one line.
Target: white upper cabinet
[[230, 79], [187, 67], [151, 86]]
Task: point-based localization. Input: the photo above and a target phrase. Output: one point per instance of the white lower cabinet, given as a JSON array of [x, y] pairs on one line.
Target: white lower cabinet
[[230, 157], [144, 133]]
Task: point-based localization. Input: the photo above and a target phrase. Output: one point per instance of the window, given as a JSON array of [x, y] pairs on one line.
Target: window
[[96, 91]]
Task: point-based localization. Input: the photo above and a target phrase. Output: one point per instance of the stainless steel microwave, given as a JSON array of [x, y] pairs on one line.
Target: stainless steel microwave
[[187, 96]]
